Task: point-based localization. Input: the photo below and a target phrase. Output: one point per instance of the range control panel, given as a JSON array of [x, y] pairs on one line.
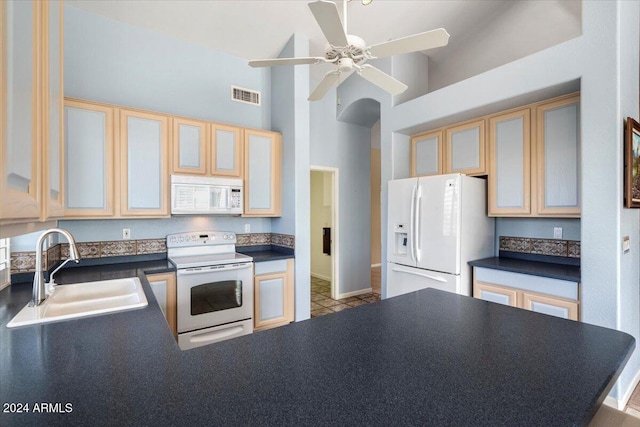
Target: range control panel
[[201, 238]]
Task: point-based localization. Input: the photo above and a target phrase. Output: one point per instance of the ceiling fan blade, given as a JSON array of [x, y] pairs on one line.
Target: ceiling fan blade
[[382, 80], [326, 13], [285, 61], [414, 43], [328, 81]]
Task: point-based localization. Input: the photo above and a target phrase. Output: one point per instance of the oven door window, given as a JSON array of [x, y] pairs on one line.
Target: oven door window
[[217, 296]]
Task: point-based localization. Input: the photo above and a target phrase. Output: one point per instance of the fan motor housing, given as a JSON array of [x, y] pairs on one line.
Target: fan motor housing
[[355, 50]]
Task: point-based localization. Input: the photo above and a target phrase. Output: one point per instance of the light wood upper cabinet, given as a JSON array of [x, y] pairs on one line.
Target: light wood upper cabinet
[[189, 146], [558, 157], [226, 150], [273, 294], [509, 178], [21, 114], [427, 154], [465, 149], [30, 116], [144, 164], [262, 170], [89, 165], [53, 161]]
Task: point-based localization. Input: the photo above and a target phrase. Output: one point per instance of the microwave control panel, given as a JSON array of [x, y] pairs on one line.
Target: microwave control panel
[[236, 198]]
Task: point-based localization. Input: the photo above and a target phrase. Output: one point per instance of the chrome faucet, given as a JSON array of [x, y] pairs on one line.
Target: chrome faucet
[[39, 294]]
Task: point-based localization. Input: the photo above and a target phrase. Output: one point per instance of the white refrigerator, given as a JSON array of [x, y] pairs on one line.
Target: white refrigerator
[[436, 224]]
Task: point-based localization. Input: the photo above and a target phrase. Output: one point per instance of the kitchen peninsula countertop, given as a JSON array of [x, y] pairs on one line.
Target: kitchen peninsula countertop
[[424, 358]]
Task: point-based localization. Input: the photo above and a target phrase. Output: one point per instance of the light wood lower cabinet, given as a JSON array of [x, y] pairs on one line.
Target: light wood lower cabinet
[[532, 293], [273, 294], [164, 289]]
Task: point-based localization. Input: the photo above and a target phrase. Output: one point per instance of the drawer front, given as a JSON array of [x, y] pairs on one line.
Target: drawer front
[[528, 282], [268, 267]]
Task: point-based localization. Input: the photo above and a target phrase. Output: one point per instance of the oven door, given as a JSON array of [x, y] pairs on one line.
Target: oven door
[[211, 296]]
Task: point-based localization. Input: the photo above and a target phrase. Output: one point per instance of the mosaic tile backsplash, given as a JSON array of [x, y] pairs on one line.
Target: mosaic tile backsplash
[[553, 247], [25, 262]]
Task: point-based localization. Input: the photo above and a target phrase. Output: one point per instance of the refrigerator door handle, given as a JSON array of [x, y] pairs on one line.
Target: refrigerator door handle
[[415, 273], [418, 223], [412, 223]]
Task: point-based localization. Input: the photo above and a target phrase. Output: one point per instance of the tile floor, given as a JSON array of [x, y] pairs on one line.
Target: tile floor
[[322, 303]]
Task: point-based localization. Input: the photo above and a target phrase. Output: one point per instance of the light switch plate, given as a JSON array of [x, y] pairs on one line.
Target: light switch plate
[[626, 244]]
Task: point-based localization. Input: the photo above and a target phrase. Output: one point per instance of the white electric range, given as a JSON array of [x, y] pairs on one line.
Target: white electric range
[[214, 287]]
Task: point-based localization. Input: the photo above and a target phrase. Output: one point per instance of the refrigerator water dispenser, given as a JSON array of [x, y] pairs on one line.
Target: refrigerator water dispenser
[[400, 247]]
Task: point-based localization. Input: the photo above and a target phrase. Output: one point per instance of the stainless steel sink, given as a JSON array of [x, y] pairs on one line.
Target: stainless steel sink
[[84, 299]]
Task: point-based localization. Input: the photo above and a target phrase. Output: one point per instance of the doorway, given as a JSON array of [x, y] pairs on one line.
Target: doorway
[[324, 230]]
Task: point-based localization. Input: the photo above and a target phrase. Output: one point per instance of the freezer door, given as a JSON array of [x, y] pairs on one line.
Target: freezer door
[[400, 216], [402, 280], [438, 223]]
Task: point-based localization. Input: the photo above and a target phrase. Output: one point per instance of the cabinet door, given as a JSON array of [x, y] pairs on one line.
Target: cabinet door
[[509, 164], [54, 103], [226, 150], [426, 154], [20, 174], [163, 286], [89, 159], [262, 173], [553, 306], [189, 146], [273, 305], [465, 149], [558, 157], [494, 293], [144, 172]]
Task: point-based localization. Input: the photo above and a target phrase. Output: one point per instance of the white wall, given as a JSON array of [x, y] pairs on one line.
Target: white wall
[[320, 218]]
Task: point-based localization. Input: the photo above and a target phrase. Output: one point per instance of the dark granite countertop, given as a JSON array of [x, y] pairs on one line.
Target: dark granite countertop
[[536, 268], [424, 358], [266, 252]]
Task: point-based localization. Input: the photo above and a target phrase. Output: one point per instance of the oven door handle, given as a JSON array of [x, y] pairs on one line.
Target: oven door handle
[[211, 269]]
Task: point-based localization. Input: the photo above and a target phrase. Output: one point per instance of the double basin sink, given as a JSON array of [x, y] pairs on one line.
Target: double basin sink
[[84, 299]]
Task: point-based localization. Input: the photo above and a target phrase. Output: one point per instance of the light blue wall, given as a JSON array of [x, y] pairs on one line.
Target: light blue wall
[[109, 61], [347, 147], [113, 62], [605, 62], [102, 230], [291, 117]]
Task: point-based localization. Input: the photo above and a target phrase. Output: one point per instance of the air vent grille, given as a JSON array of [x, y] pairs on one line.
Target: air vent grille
[[245, 95]]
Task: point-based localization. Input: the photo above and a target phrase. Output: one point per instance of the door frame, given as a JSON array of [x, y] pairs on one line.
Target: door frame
[[335, 225]]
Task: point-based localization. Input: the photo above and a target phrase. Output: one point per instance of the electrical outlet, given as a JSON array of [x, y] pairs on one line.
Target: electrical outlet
[[557, 232], [247, 228], [126, 233]]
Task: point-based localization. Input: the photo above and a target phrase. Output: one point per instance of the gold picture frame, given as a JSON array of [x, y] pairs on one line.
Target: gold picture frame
[[632, 164]]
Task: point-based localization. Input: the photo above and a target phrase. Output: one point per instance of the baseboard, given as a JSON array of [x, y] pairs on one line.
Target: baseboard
[[620, 404], [376, 265], [320, 276], [354, 293]]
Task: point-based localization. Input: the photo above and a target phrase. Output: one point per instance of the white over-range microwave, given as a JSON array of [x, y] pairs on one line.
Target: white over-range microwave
[[195, 195]]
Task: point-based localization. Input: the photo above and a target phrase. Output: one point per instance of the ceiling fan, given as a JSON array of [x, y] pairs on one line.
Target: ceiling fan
[[349, 53]]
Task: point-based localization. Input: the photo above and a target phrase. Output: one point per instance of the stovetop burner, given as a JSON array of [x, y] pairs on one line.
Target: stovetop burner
[[203, 248]]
